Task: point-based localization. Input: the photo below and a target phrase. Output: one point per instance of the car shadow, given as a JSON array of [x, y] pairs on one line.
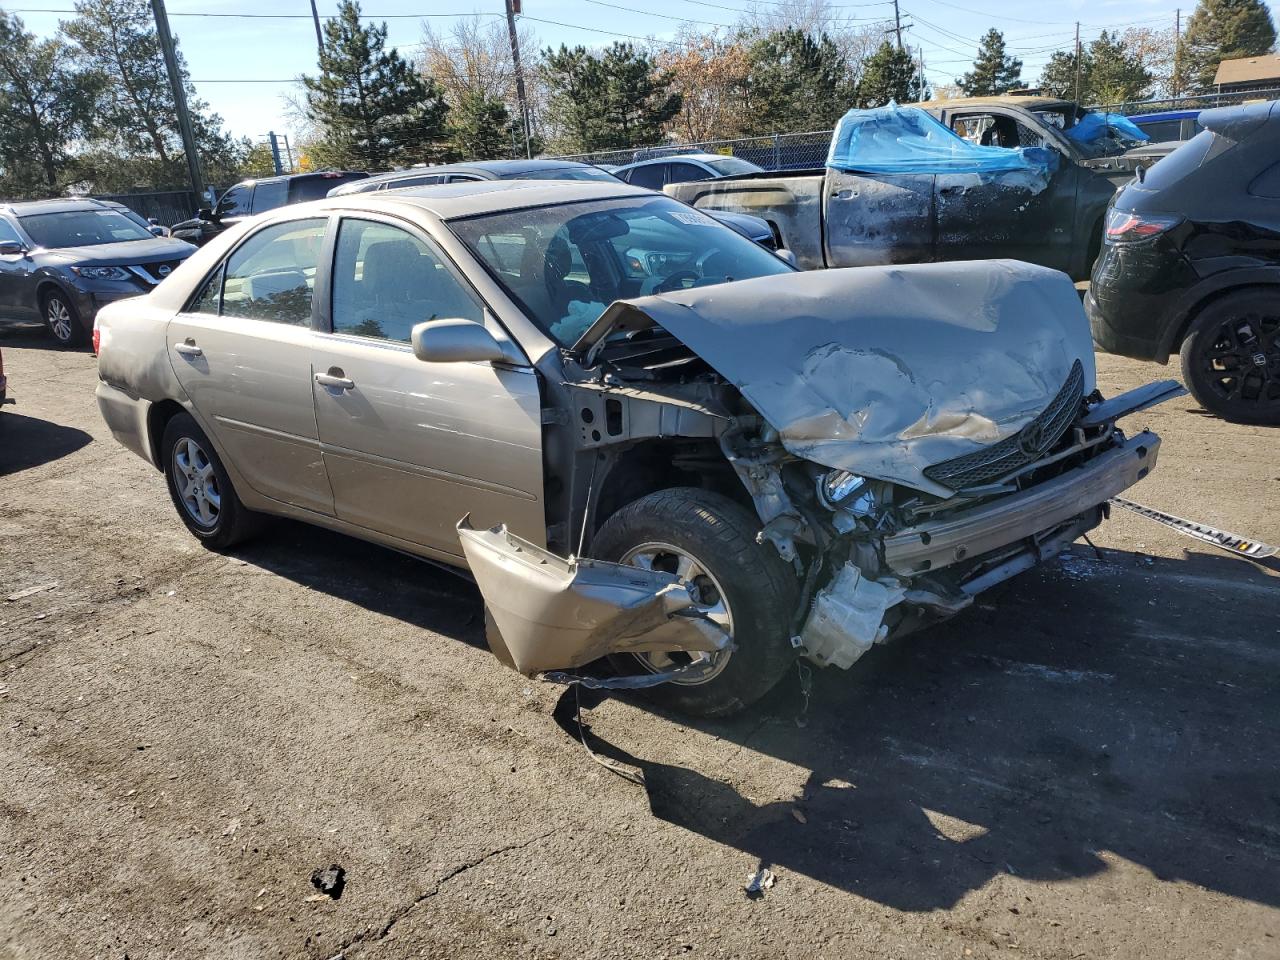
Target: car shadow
[[1123, 705], [27, 442]]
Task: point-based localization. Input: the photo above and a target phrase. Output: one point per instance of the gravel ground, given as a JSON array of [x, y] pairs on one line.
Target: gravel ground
[[1083, 765]]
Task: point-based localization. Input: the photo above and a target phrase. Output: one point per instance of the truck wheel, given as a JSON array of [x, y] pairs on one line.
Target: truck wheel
[[1231, 357], [708, 539], [62, 319], [200, 488]]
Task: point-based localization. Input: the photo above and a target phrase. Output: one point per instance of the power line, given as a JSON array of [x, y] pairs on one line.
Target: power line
[[664, 16]]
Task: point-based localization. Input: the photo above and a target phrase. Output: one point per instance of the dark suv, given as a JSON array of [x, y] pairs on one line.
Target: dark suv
[[1191, 263], [250, 197], [61, 260]]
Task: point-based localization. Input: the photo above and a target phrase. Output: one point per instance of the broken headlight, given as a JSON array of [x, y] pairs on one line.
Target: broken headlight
[[838, 488]]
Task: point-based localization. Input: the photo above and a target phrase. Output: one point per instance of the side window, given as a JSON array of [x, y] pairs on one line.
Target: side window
[[462, 178], [1267, 183], [386, 281], [651, 175], [272, 275], [685, 172], [209, 299], [235, 202], [270, 194], [9, 233]]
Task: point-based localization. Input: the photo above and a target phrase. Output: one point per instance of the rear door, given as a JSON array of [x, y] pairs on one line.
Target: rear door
[[16, 290], [242, 352], [410, 447], [877, 218]]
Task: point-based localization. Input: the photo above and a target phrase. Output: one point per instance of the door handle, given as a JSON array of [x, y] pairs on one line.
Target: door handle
[[188, 348], [335, 378]]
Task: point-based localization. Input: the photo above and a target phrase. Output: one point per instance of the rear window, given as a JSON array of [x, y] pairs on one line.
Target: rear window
[[303, 189], [565, 173], [1188, 158], [731, 166]]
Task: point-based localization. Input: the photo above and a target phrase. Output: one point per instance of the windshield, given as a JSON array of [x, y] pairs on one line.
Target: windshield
[[731, 166], [565, 264], [82, 228], [565, 173]]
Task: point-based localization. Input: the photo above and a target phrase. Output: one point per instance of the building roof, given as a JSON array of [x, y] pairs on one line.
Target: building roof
[[1248, 69]]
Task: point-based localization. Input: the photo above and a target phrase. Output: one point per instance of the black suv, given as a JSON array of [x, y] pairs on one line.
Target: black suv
[[250, 197], [1191, 262], [61, 260]]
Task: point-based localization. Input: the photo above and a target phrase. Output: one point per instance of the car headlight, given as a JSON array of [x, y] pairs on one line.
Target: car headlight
[[101, 273], [839, 487]]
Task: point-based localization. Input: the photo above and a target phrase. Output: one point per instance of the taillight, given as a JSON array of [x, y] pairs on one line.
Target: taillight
[[1125, 227], [97, 336]]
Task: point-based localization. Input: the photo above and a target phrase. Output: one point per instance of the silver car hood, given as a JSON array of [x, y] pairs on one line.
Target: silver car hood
[[883, 371]]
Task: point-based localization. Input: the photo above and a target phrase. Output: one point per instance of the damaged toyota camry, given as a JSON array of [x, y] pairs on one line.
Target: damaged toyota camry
[[654, 444]]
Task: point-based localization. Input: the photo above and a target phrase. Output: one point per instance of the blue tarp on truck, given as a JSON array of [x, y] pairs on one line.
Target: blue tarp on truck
[[894, 139]]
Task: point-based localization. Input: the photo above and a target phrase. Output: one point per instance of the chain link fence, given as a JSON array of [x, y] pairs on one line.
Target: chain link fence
[[1191, 101], [167, 206]]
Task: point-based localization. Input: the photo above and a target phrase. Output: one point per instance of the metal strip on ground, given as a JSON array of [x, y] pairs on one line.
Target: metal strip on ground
[[1231, 542]]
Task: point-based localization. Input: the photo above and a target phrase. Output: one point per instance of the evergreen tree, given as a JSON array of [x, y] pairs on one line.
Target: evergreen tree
[[890, 74], [993, 72], [370, 107], [795, 82], [610, 102], [1110, 72], [482, 128], [45, 105], [1224, 30]]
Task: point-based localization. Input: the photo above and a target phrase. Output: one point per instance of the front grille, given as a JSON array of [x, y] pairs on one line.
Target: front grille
[[993, 463], [151, 272]]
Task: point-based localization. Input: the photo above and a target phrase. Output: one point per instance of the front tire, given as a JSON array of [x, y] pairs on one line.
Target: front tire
[[61, 319], [200, 488], [711, 540], [1231, 357]]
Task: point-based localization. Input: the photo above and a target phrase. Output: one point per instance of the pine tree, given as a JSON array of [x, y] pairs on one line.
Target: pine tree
[[482, 128], [1110, 72], [372, 109], [890, 74], [795, 82], [1224, 30], [993, 72]]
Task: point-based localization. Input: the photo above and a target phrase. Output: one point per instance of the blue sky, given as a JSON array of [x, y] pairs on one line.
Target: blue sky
[[229, 57]]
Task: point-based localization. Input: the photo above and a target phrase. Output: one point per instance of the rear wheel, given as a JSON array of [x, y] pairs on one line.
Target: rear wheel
[[1231, 357], [62, 319], [200, 488], [744, 586]]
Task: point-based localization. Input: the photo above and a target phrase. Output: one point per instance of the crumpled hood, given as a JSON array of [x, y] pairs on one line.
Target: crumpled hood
[[884, 371]]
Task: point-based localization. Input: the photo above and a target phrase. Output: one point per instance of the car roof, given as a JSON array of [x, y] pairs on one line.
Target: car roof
[[453, 200], [491, 168], [1164, 115], [313, 174], [672, 158], [61, 205], [1008, 100]]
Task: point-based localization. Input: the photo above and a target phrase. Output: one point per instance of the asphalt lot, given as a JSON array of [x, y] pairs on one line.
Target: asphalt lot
[[1087, 764]]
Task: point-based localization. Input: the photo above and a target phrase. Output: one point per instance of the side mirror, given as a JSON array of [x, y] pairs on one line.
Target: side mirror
[[786, 256], [11, 248], [158, 231], [454, 341], [206, 213]]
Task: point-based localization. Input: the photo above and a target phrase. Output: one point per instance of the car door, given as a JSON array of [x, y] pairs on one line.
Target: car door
[[682, 171], [410, 447], [987, 216], [242, 352], [877, 218], [651, 176], [17, 295]]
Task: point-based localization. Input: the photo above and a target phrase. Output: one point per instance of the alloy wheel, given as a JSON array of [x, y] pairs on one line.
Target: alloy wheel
[[1241, 362], [59, 318], [196, 482], [711, 603]]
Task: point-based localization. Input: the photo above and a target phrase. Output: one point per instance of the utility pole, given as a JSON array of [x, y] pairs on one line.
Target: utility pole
[[315, 16], [897, 23], [920, 57], [513, 7], [275, 151], [1177, 53], [179, 100], [1077, 96]]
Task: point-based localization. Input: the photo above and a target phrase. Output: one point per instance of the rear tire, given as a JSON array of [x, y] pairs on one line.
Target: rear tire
[[200, 488], [758, 589], [1231, 357], [61, 319]]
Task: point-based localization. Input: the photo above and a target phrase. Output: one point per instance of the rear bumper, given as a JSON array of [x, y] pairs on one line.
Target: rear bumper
[[126, 417], [982, 530]]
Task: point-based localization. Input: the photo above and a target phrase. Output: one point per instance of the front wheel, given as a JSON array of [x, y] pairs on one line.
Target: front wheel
[[709, 540], [1231, 357], [62, 319], [200, 488]]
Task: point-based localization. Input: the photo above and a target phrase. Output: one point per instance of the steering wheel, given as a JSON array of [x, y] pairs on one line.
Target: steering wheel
[[673, 282]]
